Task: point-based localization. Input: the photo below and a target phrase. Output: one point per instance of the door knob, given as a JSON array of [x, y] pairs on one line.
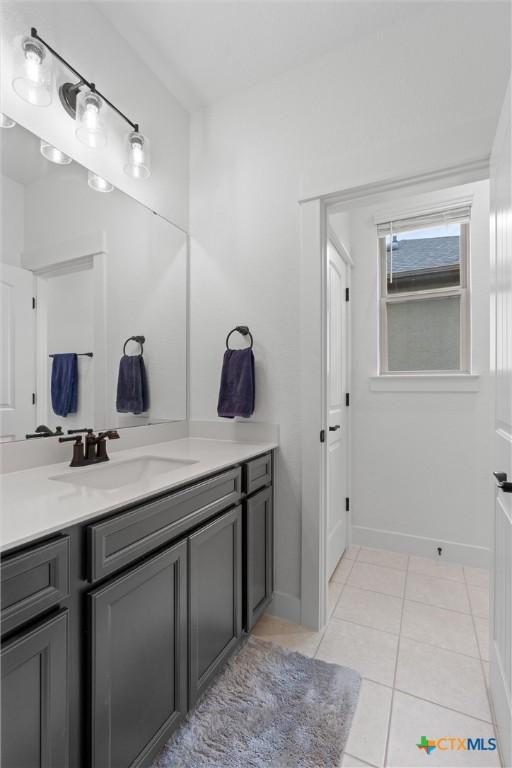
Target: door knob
[[502, 482], [333, 429]]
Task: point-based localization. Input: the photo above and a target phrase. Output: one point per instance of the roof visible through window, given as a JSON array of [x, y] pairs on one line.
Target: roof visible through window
[[423, 259]]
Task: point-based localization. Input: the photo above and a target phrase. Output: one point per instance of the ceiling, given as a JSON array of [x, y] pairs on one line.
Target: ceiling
[[205, 51]]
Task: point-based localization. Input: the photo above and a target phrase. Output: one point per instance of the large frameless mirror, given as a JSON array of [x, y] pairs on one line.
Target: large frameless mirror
[[93, 299]]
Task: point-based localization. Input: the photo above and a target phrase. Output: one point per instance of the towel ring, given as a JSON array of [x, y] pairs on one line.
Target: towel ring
[[244, 330], [139, 339]]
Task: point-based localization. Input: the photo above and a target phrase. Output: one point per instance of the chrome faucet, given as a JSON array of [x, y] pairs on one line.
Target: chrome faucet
[[95, 446]]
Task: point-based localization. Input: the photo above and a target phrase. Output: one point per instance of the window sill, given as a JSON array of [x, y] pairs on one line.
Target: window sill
[[433, 382]]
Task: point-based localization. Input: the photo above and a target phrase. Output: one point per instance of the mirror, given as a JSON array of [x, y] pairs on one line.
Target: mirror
[[82, 271]]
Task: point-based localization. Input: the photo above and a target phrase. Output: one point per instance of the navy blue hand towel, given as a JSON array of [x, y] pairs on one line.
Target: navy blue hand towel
[[132, 385], [65, 383], [237, 391]]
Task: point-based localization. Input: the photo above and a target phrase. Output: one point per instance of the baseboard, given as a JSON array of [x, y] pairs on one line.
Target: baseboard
[[453, 551], [285, 606]]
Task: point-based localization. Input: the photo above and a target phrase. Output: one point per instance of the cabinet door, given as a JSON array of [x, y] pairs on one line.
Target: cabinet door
[[215, 598], [259, 556], [139, 660], [35, 697]]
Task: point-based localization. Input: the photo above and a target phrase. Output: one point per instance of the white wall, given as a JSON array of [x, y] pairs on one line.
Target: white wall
[[421, 460], [69, 317], [373, 110], [12, 217], [80, 33]]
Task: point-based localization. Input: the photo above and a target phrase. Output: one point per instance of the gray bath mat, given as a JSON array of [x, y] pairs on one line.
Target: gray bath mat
[[269, 707]]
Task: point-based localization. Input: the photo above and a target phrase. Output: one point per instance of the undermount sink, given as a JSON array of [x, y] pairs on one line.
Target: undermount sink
[[109, 476]]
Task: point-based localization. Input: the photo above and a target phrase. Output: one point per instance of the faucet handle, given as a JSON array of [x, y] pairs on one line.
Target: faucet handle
[[77, 439], [89, 431], [112, 434]]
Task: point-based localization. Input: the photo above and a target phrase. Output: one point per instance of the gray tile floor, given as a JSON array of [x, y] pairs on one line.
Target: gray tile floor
[[417, 631]]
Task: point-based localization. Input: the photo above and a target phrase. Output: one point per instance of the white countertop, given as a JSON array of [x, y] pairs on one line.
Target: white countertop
[[34, 505]]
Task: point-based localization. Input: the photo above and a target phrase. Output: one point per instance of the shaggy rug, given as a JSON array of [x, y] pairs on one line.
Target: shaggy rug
[[269, 707]]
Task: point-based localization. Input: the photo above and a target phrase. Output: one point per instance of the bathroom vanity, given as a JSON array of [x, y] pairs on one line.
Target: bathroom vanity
[[115, 624]]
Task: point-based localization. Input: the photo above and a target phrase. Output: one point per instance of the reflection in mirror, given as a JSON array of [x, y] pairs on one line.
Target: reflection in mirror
[[82, 271]]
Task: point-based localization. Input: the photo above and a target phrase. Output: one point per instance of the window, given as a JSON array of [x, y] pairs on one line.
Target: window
[[424, 293]]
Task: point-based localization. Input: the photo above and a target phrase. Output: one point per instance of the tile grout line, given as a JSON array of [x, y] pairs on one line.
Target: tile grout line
[[343, 585], [364, 762], [388, 732], [444, 706], [376, 591], [408, 637], [442, 607], [331, 615], [419, 602], [427, 701]]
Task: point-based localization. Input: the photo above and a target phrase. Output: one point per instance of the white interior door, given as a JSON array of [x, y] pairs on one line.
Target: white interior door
[[17, 334], [338, 273], [501, 591]]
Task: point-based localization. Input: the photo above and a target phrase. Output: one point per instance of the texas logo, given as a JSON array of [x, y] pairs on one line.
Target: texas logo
[[456, 744]]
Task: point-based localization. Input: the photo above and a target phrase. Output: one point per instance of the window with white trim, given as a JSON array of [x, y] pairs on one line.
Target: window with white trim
[[424, 263]]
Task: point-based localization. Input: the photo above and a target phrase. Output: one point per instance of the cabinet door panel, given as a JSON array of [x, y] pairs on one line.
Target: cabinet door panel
[[35, 697], [215, 598], [259, 555], [139, 660]]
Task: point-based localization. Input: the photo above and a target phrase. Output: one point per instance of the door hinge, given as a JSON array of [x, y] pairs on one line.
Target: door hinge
[[322, 435], [347, 504], [347, 398], [33, 302], [347, 294], [33, 398]]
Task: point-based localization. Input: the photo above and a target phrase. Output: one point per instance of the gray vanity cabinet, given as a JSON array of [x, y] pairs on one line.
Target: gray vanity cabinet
[[113, 629], [139, 660], [258, 555], [215, 584], [35, 696]]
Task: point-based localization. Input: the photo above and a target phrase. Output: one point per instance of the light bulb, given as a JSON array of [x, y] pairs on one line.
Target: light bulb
[[91, 116], [98, 183], [53, 154], [33, 73], [91, 128], [138, 160], [6, 122]]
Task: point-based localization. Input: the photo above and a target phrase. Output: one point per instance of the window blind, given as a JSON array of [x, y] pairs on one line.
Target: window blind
[[456, 214]]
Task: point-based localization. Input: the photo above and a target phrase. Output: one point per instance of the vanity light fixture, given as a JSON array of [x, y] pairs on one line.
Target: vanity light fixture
[[53, 154], [98, 183], [32, 79], [90, 122], [81, 100], [137, 165], [6, 122]]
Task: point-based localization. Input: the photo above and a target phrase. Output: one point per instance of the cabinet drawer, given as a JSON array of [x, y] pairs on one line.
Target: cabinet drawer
[[33, 581], [117, 542], [257, 473]]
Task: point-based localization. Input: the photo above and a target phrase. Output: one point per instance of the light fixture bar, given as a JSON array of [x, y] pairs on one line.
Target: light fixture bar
[[83, 80]]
